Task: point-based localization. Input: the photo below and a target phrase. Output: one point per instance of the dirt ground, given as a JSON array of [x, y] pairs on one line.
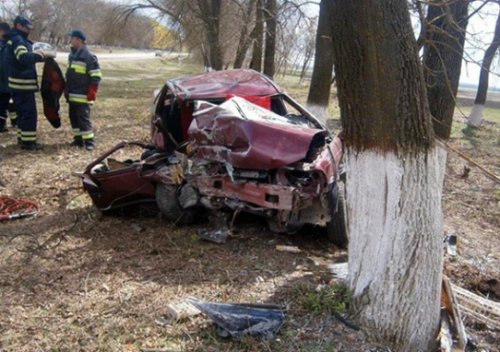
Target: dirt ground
[[72, 279]]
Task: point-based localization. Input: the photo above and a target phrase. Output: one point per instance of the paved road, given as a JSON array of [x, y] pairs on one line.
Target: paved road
[[120, 56]]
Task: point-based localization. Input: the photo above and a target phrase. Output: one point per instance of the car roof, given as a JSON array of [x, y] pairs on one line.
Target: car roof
[[220, 84]]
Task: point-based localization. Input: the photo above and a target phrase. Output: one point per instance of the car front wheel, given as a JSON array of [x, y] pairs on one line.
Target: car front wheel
[[336, 229], [167, 199]]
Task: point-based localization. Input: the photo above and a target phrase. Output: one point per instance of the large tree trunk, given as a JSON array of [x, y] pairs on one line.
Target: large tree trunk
[[394, 174], [258, 38], [319, 90], [443, 52], [270, 47], [245, 39], [476, 115], [210, 14]]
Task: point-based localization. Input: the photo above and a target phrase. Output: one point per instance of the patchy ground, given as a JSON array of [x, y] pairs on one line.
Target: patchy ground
[[74, 280]]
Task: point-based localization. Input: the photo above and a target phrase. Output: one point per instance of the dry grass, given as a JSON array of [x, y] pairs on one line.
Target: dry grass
[[74, 280]]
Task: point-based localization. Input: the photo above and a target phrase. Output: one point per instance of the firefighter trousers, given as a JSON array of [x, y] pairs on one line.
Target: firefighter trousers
[[25, 106], [79, 116], [4, 106]]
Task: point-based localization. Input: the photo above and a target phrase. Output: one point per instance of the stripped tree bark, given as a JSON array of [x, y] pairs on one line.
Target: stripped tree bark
[[476, 115], [394, 174], [446, 23], [319, 90]]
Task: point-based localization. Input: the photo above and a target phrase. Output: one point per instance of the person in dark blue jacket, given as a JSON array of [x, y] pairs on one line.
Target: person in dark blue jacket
[[4, 75], [82, 81], [23, 80]]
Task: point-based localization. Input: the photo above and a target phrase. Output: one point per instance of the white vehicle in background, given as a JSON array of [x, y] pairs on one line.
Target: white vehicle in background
[[46, 47]]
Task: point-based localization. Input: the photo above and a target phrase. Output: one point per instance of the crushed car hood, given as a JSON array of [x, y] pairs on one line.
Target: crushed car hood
[[218, 84], [250, 137]]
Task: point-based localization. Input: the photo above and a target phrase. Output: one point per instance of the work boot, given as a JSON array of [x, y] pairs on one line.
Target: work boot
[[3, 129], [77, 142], [31, 146], [89, 145]]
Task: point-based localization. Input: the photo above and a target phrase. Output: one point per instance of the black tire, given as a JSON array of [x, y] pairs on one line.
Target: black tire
[[336, 229], [166, 199]]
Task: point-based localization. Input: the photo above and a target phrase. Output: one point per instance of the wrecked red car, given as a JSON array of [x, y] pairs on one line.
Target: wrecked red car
[[229, 141]]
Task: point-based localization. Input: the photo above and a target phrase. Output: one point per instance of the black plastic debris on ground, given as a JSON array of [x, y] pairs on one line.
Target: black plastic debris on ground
[[217, 236], [218, 231], [238, 320]]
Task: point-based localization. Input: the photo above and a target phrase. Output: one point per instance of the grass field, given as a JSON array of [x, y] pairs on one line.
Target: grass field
[[72, 279]]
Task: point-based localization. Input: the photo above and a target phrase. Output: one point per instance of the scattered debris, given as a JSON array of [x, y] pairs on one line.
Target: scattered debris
[[490, 288], [465, 172], [238, 320], [144, 349], [218, 230], [452, 333], [481, 309], [290, 249], [137, 228], [12, 208], [339, 271], [218, 236], [451, 245], [181, 310], [163, 321]]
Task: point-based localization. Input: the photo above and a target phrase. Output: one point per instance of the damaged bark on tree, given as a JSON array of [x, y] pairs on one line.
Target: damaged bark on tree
[[476, 115], [394, 174]]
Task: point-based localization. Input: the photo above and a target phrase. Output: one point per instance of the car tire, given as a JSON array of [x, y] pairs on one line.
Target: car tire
[[168, 203], [336, 228]]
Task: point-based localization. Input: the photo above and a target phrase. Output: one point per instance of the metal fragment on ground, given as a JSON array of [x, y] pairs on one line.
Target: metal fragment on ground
[[290, 249], [238, 320]]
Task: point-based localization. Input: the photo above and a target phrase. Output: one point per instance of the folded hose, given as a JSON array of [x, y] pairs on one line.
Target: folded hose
[[12, 208]]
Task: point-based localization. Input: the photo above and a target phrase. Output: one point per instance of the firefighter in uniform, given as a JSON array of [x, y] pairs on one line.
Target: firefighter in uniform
[[82, 81], [23, 81], [4, 75]]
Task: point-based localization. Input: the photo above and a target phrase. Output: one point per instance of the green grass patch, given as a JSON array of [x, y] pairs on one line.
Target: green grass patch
[[327, 299]]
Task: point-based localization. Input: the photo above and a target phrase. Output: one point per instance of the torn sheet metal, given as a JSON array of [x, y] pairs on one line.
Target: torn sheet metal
[[219, 84], [265, 195], [250, 137], [239, 320], [112, 184]]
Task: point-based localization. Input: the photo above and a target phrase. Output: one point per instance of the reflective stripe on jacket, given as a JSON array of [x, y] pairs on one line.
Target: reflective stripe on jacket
[[83, 71], [22, 69]]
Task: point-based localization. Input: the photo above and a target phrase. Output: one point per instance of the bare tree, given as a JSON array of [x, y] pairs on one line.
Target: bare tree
[[319, 90], [307, 49], [271, 13], [245, 38], [258, 38], [394, 174], [446, 24], [210, 15], [476, 115]]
